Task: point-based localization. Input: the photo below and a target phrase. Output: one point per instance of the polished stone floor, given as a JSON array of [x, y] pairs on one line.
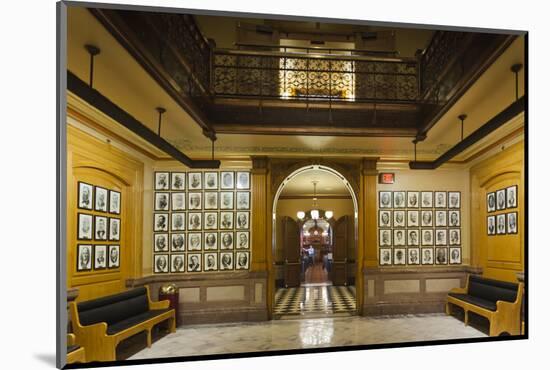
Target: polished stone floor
[[314, 300], [306, 333]]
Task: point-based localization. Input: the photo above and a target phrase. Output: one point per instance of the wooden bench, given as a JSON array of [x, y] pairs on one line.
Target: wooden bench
[[75, 353], [498, 301], [101, 324]]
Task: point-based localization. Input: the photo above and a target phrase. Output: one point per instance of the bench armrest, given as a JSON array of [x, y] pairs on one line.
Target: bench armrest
[[459, 290], [71, 339], [159, 305]]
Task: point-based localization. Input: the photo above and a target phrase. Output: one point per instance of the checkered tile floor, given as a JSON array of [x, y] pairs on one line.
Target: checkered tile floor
[[315, 300]]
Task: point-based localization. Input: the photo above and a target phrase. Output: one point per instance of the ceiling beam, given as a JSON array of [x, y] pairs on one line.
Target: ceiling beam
[[312, 130]]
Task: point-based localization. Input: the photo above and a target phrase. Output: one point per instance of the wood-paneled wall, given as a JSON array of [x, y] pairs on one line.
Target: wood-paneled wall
[[500, 256]]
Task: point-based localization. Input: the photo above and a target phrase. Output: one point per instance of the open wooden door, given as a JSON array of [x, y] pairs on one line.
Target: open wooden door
[[291, 250], [340, 251]]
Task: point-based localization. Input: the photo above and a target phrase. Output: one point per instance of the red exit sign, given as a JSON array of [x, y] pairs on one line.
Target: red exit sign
[[386, 178]]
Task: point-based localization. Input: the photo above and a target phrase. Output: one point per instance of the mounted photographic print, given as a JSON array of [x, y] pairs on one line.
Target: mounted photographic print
[[114, 202], [501, 199], [454, 236], [243, 200], [227, 180], [454, 218], [101, 197], [85, 226], [177, 242], [384, 218], [114, 229], [211, 200], [385, 256], [178, 221], [427, 237], [427, 256], [440, 199], [160, 222], [226, 200], [162, 201], [177, 263], [243, 238], [162, 181], [210, 261], [210, 241], [100, 228], [384, 239], [427, 199], [241, 259], [426, 219], [385, 199], [84, 257], [243, 180], [194, 241], [440, 218], [194, 181], [226, 240], [211, 180], [399, 199], [398, 218], [161, 263], [226, 261], [501, 224], [440, 236], [195, 221], [399, 237], [511, 196], [491, 202], [85, 196], [210, 220], [455, 256], [195, 201], [441, 255], [512, 223], [491, 225], [412, 238], [194, 262], [413, 256], [178, 181], [114, 257], [399, 256], [413, 199], [160, 242], [178, 201], [226, 220], [100, 257], [412, 219], [454, 199]]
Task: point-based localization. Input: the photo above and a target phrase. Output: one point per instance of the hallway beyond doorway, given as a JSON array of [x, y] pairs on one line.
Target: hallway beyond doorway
[[314, 300]]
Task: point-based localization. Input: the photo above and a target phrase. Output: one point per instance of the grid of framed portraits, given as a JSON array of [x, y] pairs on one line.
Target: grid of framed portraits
[[98, 224], [502, 223], [201, 221], [419, 228]]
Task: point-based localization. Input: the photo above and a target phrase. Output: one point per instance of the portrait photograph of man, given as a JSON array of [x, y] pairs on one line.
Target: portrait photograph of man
[[413, 199], [194, 262], [194, 180], [440, 199], [412, 219], [385, 199], [440, 218], [242, 240], [195, 201], [440, 237], [412, 238], [227, 240], [511, 196], [160, 222], [178, 201], [100, 228], [427, 199], [242, 220], [211, 180], [177, 264], [399, 199], [384, 219], [501, 224], [114, 256], [194, 242], [161, 263], [114, 202], [399, 237], [85, 196], [491, 225], [210, 261], [162, 201], [454, 218], [399, 256], [427, 256], [427, 237], [243, 180], [211, 241], [162, 181], [511, 223], [84, 258], [385, 238], [454, 199], [100, 257], [114, 229], [226, 261], [195, 221], [226, 200], [501, 199], [413, 256], [227, 180], [226, 220], [101, 196], [454, 236], [243, 200], [178, 181], [160, 242], [85, 226], [385, 256], [455, 257], [242, 261], [491, 202], [178, 221], [210, 220], [398, 218], [177, 242], [441, 256], [427, 218], [211, 200]]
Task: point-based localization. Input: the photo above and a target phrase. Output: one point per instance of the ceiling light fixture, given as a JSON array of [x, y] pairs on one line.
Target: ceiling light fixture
[[315, 214]]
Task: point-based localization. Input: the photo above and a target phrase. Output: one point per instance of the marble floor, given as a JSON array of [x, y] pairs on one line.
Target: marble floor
[[306, 333], [315, 300]]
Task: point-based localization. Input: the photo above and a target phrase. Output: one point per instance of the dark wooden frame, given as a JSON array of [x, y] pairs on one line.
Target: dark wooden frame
[[155, 257], [422, 256], [221, 193], [92, 195], [78, 248], [446, 216], [380, 199], [449, 217], [446, 237], [189, 255], [217, 194], [106, 256], [404, 199], [109, 265], [417, 198], [235, 260], [459, 236], [489, 210], [380, 256], [459, 199], [237, 180], [236, 241], [502, 215], [380, 231], [417, 238], [220, 243], [167, 215], [110, 228], [215, 254], [431, 197], [168, 204], [119, 202], [183, 224], [380, 212], [516, 198], [220, 265], [422, 237], [92, 226], [201, 185], [189, 234], [98, 217], [435, 199], [217, 235], [395, 250], [168, 241], [172, 256], [404, 218], [222, 187], [404, 231], [431, 224], [237, 201], [168, 177], [446, 249], [494, 223], [496, 199], [183, 248], [205, 214], [460, 255], [417, 218], [216, 174], [172, 195], [189, 214], [408, 256], [106, 199], [189, 193], [172, 175], [517, 224]]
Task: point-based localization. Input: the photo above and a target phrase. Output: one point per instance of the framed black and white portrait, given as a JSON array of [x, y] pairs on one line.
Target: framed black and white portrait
[[399, 256], [512, 223], [226, 220], [385, 256], [177, 263], [242, 260], [161, 264], [84, 257], [243, 219], [441, 255], [227, 180], [178, 221], [454, 199], [501, 199], [501, 224], [512, 196], [162, 181], [85, 226], [160, 242], [226, 261], [243, 240], [384, 218], [412, 219], [384, 239], [210, 241], [211, 180], [491, 202], [195, 201], [427, 237], [178, 201], [226, 240], [440, 218], [114, 229], [413, 256], [101, 199], [384, 199], [226, 201], [399, 199], [210, 220], [194, 181], [100, 257], [100, 228], [426, 218], [440, 236], [398, 218], [114, 202], [194, 262], [491, 225], [211, 200], [85, 196], [178, 181], [413, 199], [454, 237], [195, 221], [440, 199], [454, 219], [455, 256], [113, 261], [162, 201], [160, 222], [399, 238], [210, 261], [413, 238], [426, 199], [243, 180], [243, 200], [194, 241], [427, 256], [177, 242]]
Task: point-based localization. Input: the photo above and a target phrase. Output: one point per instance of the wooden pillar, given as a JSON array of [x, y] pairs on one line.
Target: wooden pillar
[[259, 214]]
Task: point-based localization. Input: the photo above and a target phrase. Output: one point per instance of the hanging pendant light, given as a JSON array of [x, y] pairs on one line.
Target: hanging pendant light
[[315, 214]]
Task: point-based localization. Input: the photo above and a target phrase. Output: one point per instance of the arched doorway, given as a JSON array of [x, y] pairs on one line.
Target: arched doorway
[[314, 244]]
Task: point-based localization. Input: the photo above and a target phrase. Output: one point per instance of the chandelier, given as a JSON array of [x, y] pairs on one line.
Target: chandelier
[[314, 211]]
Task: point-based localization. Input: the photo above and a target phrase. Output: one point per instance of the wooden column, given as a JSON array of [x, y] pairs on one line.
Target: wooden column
[[259, 214]]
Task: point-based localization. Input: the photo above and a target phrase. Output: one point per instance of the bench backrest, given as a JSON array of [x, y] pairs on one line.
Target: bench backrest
[[492, 290], [114, 308]]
